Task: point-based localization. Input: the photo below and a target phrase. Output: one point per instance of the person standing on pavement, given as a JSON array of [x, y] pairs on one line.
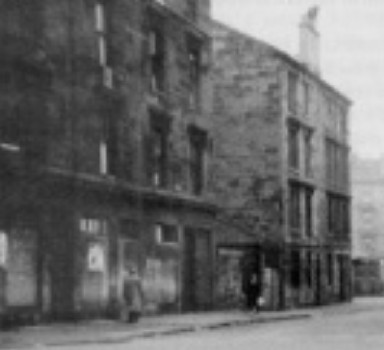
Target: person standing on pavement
[[252, 290]]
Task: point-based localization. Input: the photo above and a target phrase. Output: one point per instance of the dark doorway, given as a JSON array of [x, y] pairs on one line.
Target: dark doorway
[[197, 270]]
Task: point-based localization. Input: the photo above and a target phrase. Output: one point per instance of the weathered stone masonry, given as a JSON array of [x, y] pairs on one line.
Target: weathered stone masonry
[[259, 167], [82, 208]]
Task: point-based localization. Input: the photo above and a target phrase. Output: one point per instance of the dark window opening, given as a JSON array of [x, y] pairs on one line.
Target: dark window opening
[[330, 269], [194, 70], [309, 269], [166, 234], [157, 60], [308, 194], [198, 140], [293, 145], [159, 150], [294, 206], [192, 9], [295, 269], [308, 152]]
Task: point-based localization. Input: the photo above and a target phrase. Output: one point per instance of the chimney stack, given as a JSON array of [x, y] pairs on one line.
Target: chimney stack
[[310, 40]]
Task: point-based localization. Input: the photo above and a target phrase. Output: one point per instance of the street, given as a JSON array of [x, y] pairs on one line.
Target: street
[[356, 326]]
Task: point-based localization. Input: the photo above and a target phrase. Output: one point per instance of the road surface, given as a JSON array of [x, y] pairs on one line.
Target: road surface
[[359, 326]]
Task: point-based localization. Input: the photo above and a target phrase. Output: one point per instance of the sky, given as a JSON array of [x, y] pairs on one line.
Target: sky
[[352, 52]]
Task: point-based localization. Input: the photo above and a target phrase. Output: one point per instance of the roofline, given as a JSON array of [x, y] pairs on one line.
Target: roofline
[[164, 9], [286, 57]]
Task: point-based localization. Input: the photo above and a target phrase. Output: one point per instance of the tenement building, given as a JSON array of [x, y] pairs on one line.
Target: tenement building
[[104, 153], [280, 170]]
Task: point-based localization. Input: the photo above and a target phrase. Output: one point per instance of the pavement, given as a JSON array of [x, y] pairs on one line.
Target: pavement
[[113, 332]]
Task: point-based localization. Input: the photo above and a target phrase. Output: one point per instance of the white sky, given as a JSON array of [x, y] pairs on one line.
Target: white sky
[[352, 51]]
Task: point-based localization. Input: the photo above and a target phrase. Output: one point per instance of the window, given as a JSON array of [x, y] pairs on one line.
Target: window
[[337, 163], [108, 148], [157, 60], [194, 70], [338, 215], [159, 150], [306, 97], [294, 206], [192, 10], [194, 74], [292, 91], [307, 152], [308, 194], [93, 226], [293, 145], [198, 140], [100, 26], [166, 234], [308, 269]]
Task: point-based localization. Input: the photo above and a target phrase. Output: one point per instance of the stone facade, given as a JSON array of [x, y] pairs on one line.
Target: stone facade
[[104, 199], [280, 166]]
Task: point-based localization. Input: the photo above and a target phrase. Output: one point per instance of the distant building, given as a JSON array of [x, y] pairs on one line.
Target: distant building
[[368, 225], [280, 171], [104, 156]]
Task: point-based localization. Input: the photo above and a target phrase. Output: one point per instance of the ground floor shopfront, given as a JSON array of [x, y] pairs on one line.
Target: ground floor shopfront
[[78, 248], [291, 275]]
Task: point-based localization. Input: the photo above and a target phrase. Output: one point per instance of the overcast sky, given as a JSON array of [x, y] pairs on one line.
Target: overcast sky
[[352, 51]]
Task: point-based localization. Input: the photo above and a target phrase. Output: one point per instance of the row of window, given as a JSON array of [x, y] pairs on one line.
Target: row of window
[[161, 162], [159, 166], [299, 99], [129, 229], [157, 54], [303, 268]]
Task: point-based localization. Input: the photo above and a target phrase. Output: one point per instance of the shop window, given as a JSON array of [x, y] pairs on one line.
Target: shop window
[[166, 234], [295, 269], [308, 269], [330, 269]]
